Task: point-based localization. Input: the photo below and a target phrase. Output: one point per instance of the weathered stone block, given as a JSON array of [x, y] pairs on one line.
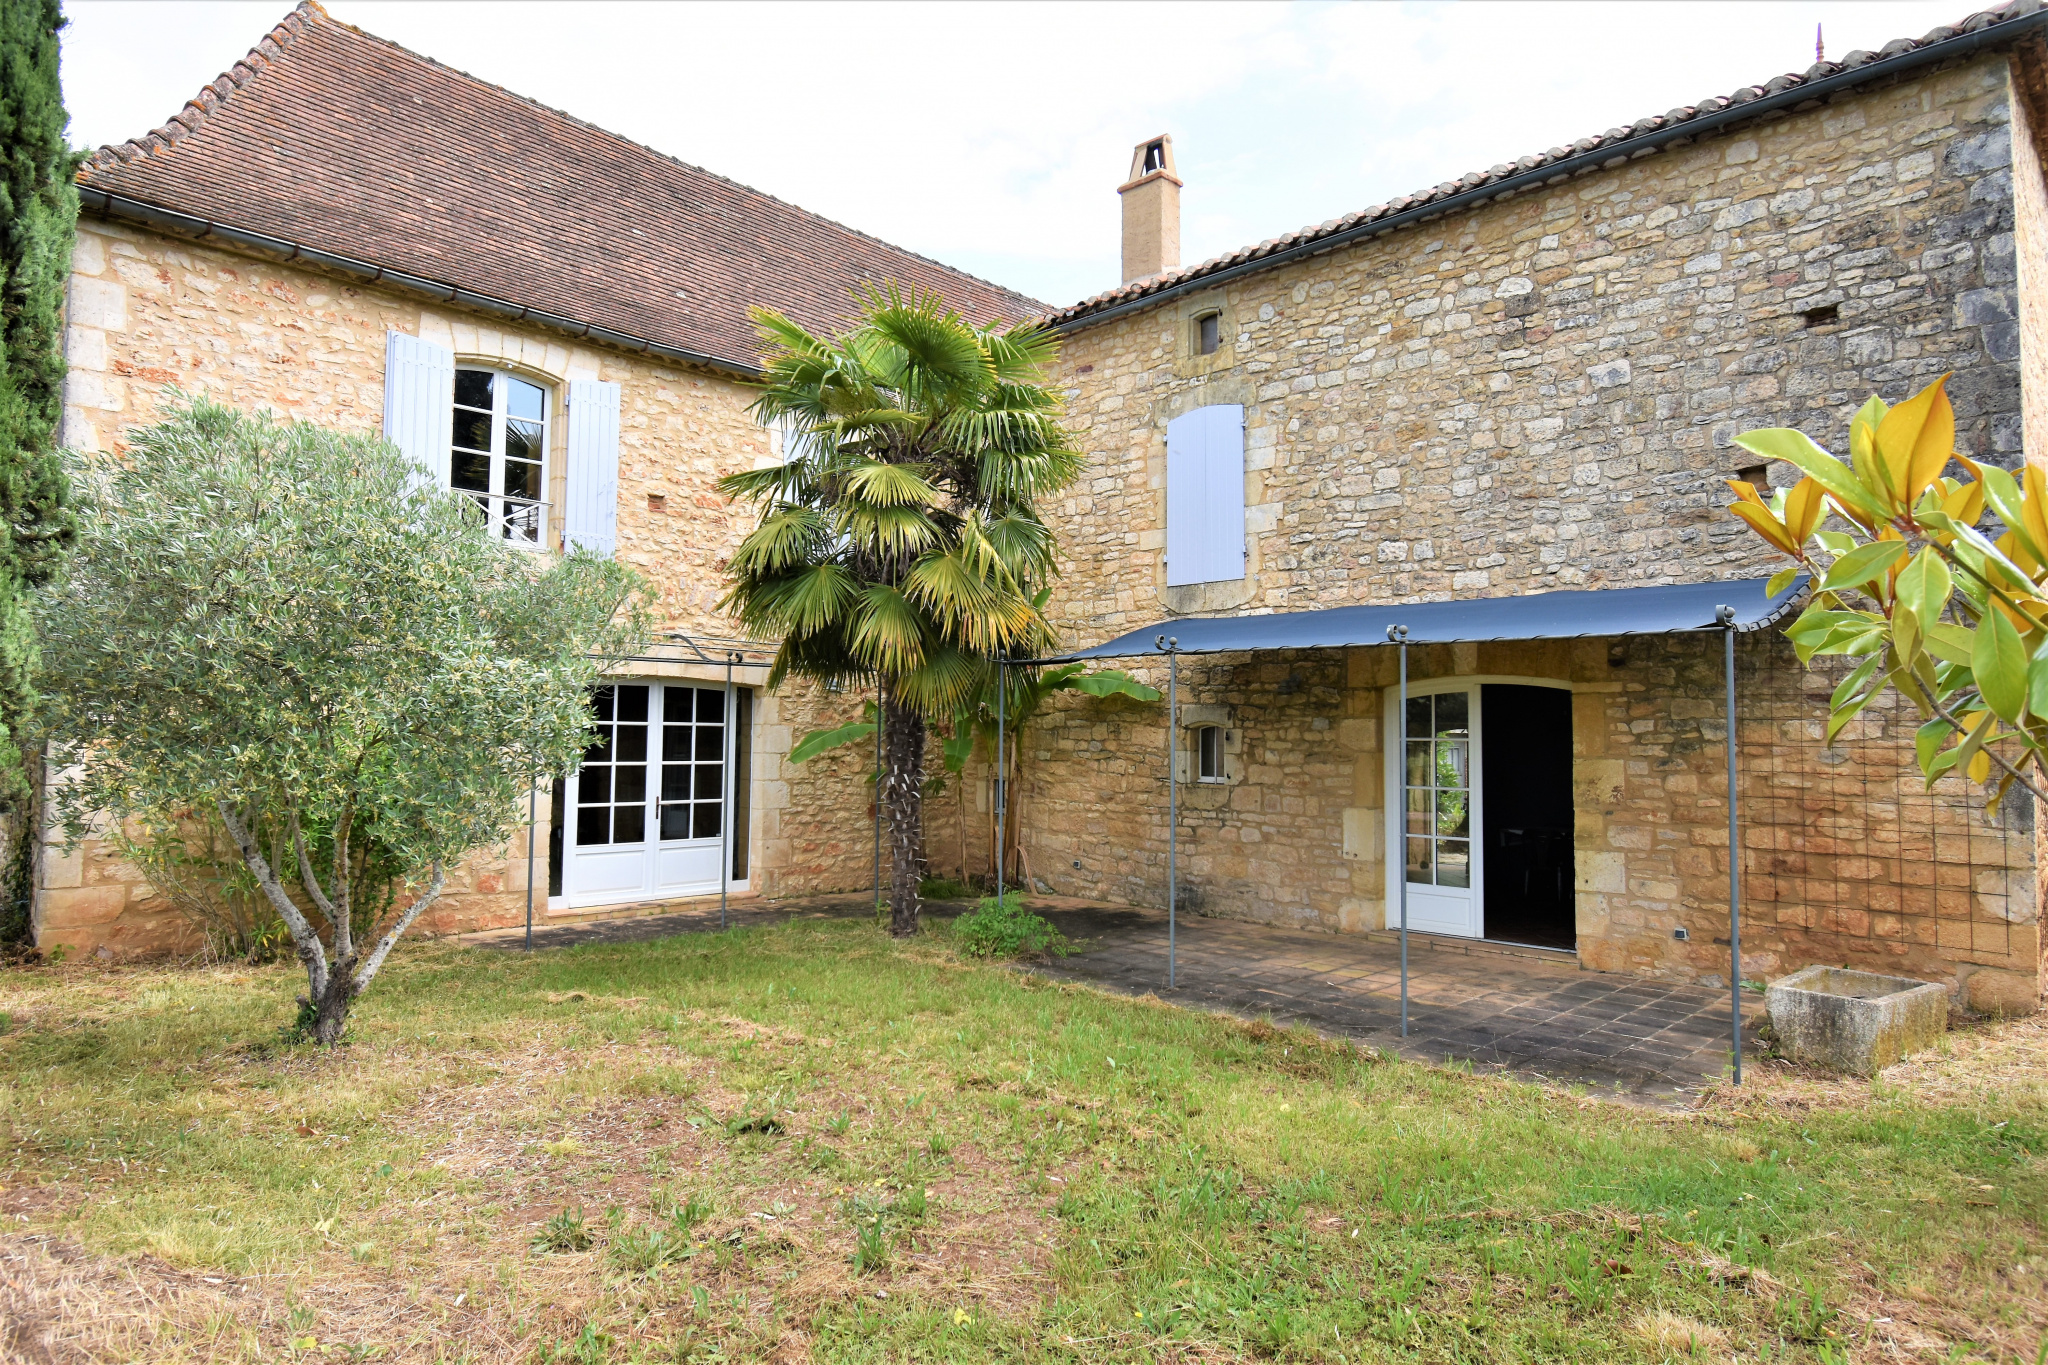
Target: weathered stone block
[[1858, 1022]]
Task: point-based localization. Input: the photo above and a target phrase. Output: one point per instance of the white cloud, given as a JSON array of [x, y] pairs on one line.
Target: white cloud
[[993, 136]]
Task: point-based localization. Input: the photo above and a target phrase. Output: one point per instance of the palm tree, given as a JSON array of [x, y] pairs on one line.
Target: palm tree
[[900, 543]]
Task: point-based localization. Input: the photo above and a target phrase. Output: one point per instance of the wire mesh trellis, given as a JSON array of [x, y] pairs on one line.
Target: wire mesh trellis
[[1846, 843]]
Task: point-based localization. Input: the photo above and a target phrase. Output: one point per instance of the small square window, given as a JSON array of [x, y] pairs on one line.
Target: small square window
[[1208, 333], [1209, 753]]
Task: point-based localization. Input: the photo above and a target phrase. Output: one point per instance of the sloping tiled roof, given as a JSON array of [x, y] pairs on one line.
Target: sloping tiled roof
[[329, 138], [1588, 153]]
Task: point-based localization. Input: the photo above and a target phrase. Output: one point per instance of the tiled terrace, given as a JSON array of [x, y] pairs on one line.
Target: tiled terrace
[[1526, 1012]]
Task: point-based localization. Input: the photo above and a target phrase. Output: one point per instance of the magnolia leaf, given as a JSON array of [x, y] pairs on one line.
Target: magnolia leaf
[[1795, 447], [1835, 542], [1999, 663], [1863, 564], [1766, 525], [1928, 739], [1804, 507], [1924, 585], [1951, 643], [2037, 682], [1980, 766], [1850, 685], [1915, 441], [1781, 580], [1978, 728], [2002, 496]]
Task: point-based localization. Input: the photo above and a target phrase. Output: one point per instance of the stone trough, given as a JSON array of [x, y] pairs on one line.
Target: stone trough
[[1857, 1022]]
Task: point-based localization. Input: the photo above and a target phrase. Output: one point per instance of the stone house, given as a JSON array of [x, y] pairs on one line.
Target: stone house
[[547, 317], [1522, 381], [1525, 380]]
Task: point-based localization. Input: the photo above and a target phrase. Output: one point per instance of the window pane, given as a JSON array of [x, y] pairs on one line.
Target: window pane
[[600, 749], [593, 825], [675, 743], [633, 702], [1452, 710], [472, 429], [675, 782], [1210, 327], [1418, 717], [675, 822], [632, 744], [705, 826], [710, 704], [594, 786], [629, 824], [1419, 804], [1453, 810], [469, 471], [1418, 763], [601, 699], [1453, 764], [528, 401], [473, 388], [708, 781], [629, 784], [1418, 862], [522, 441], [521, 480], [710, 740], [1454, 863]]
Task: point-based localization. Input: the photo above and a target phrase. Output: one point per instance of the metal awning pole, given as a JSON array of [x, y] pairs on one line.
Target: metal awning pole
[[1727, 618], [725, 816], [1002, 698], [1172, 809], [1399, 635]]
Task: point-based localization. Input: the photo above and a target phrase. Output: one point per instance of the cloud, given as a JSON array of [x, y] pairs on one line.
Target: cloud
[[993, 136]]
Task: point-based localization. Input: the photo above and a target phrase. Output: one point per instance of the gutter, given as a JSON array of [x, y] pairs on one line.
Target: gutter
[[109, 205], [1624, 149]]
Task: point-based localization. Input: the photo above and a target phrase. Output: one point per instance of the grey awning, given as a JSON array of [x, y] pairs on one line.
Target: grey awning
[[1659, 610]]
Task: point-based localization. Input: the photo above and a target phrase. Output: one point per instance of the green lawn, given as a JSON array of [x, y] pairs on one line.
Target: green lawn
[[810, 1143]]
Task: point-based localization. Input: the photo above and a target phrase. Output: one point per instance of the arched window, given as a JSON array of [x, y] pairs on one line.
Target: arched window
[[499, 457]]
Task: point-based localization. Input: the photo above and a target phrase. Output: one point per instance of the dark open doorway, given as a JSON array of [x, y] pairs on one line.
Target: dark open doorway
[[1527, 753]]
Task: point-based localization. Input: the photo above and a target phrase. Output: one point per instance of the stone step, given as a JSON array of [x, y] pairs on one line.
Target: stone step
[[639, 909], [1478, 947]]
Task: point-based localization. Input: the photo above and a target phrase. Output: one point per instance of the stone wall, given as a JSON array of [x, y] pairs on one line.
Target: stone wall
[[1542, 393], [148, 313]]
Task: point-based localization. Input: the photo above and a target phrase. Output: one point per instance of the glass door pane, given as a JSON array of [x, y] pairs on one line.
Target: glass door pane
[[611, 789], [1437, 780], [692, 763]]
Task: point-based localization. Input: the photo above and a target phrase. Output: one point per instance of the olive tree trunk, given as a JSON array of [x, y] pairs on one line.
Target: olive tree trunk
[[903, 736]]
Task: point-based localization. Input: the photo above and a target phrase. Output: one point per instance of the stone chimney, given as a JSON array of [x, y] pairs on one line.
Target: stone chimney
[[1151, 211]]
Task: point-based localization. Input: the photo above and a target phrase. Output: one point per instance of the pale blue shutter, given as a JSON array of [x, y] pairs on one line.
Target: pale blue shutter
[[1205, 496], [419, 404], [1186, 487], [590, 520], [1224, 501]]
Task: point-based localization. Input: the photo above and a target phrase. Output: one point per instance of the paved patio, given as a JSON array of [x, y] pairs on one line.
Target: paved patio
[[1521, 1011]]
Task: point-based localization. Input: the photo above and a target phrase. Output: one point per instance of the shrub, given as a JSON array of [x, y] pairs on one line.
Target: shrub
[[1006, 929]]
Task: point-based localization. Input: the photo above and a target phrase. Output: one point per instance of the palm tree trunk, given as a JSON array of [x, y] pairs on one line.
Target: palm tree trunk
[[903, 735]]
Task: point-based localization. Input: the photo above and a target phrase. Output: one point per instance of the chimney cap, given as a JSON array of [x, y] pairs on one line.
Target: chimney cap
[[1151, 159]]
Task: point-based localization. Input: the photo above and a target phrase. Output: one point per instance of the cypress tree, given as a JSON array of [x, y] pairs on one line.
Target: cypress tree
[[38, 212]]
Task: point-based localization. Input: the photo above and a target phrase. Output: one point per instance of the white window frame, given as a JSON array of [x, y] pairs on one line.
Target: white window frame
[[1205, 737], [518, 521]]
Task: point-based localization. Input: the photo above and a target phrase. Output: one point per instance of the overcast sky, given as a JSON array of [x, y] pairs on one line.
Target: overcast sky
[[993, 136]]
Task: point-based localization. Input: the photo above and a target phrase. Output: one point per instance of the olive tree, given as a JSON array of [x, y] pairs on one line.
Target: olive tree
[[281, 623]]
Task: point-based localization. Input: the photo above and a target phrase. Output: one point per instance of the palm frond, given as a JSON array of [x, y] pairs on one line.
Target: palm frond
[[888, 634], [890, 485], [787, 538]]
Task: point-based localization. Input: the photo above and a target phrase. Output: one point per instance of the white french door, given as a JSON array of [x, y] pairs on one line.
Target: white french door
[[1435, 810], [646, 814]]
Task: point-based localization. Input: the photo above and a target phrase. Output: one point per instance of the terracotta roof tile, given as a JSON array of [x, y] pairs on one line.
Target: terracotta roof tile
[[334, 139], [1174, 280]]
